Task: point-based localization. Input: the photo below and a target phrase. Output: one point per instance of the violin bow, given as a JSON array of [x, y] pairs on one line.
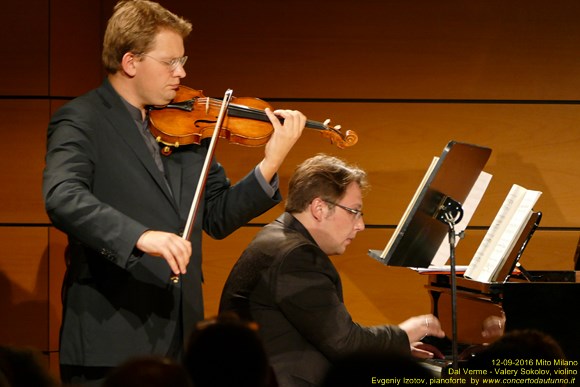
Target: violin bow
[[205, 171]]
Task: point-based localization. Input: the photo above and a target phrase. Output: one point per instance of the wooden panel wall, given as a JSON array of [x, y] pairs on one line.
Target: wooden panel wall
[[407, 76]]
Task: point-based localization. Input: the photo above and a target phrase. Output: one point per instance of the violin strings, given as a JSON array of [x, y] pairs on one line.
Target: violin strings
[[260, 113], [217, 103]]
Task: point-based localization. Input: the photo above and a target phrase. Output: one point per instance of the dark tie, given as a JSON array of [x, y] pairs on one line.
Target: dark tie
[[153, 146], [154, 150]]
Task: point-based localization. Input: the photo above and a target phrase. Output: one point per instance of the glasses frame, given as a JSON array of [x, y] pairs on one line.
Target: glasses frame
[[358, 214], [173, 64]]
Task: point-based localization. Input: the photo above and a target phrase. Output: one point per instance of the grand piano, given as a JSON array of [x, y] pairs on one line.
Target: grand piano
[[547, 301], [543, 300]]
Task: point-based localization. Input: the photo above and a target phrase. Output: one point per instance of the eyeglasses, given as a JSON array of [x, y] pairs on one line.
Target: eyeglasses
[[172, 63], [357, 213]]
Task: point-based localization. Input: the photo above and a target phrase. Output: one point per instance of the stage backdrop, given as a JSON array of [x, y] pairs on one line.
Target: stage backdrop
[[407, 77]]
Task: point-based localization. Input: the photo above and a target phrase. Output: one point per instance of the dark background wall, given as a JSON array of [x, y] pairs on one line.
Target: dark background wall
[[406, 76]]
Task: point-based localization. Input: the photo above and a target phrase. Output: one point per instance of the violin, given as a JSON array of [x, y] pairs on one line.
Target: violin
[[191, 117]]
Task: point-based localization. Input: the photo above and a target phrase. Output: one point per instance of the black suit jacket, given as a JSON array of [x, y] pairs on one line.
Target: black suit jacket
[[103, 188], [288, 285]]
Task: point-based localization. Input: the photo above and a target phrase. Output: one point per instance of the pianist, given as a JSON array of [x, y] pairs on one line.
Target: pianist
[[286, 282]]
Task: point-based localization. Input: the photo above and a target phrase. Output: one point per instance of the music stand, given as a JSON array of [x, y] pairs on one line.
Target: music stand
[[433, 213]]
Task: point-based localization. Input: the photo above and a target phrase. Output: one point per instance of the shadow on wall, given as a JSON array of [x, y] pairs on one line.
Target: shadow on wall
[[25, 314]]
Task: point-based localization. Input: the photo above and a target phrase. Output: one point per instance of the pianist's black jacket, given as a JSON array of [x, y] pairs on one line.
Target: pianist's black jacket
[[289, 286]]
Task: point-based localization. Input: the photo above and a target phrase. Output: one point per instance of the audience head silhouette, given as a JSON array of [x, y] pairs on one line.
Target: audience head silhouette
[[514, 347], [225, 351], [148, 371], [522, 344], [23, 367]]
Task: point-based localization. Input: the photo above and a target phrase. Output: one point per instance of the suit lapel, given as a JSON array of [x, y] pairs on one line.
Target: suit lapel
[[121, 121]]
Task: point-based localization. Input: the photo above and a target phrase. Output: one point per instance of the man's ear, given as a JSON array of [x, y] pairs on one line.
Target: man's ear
[[317, 208], [128, 64]]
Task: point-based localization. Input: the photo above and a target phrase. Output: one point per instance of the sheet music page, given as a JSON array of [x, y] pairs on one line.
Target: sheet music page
[[497, 226], [410, 206], [471, 203], [510, 235], [502, 235]]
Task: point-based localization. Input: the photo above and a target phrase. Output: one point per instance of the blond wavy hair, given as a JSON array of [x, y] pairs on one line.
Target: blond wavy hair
[[133, 28]]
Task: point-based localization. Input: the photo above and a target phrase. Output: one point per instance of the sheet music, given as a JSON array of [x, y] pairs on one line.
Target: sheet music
[[471, 202], [503, 233], [487, 244]]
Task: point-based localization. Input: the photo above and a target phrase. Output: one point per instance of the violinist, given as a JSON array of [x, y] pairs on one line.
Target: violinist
[[124, 206]]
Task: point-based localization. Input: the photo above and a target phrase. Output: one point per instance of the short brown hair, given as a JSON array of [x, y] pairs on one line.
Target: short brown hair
[[133, 28], [322, 176]]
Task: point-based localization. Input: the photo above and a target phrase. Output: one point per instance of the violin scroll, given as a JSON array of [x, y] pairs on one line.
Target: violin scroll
[[348, 139]]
